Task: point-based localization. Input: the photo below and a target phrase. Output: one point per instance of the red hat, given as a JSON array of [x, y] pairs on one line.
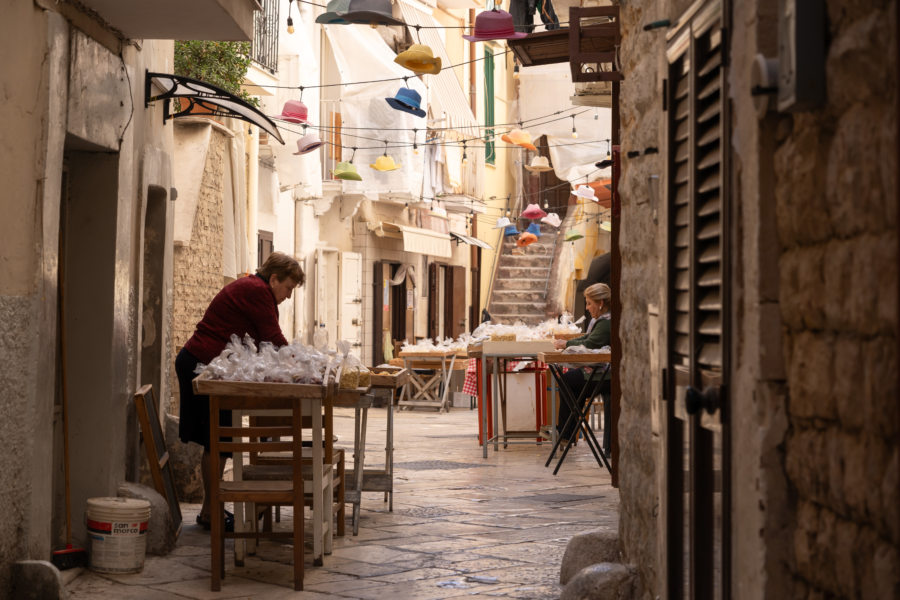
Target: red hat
[[294, 111], [494, 25]]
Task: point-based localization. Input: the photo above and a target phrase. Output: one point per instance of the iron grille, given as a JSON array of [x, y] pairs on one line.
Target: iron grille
[[265, 36]]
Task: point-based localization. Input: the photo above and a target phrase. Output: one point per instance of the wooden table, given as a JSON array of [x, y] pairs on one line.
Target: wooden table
[[577, 401], [320, 406], [491, 354], [422, 392]]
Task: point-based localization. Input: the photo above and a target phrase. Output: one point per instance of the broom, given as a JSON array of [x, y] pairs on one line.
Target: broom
[[69, 557]]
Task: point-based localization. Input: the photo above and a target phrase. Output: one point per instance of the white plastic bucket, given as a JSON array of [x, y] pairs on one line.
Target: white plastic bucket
[[117, 529]]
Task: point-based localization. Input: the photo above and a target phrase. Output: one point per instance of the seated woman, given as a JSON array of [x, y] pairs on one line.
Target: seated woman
[[596, 299]]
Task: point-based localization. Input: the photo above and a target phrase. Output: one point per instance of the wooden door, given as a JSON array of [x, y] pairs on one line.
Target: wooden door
[[454, 301], [381, 306], [327, 301], [433, 300], [697, 353]]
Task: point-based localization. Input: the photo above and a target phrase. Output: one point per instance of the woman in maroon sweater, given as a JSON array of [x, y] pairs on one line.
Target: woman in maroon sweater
[[248, 305]]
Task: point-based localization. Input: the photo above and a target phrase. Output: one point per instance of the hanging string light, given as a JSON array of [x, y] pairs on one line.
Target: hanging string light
[[465, 159], [290, 21], [574, 131]]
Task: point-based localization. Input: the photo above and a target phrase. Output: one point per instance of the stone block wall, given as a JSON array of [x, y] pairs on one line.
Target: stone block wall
[[836, 178], [642, 284], [198, 267]]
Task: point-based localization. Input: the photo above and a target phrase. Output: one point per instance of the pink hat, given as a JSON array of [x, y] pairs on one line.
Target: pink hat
[[533, 211], [294, 111], [494, 25]]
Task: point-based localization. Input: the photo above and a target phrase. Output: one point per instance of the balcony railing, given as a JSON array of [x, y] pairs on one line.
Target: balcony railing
[[265, 36]]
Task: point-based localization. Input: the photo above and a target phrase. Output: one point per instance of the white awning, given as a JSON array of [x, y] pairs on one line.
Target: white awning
[[467, 239], [418, 240]]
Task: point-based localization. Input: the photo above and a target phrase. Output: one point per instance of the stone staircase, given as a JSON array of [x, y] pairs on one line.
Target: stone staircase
[[520, 285]]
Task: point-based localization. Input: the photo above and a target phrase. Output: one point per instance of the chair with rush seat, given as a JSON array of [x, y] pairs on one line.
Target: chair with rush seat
[[285, 492]]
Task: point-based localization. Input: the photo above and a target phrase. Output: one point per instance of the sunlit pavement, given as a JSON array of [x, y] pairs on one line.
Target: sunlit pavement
[[461, 526]]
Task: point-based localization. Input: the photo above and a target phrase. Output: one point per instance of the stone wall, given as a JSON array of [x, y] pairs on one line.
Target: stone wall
[[198, 266], [836, 178], [642, 126]]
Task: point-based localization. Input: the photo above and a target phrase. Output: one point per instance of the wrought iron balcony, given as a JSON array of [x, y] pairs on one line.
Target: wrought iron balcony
[[265, 36]]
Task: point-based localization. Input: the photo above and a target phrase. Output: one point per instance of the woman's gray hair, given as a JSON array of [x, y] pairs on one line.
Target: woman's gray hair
[[599, 292]]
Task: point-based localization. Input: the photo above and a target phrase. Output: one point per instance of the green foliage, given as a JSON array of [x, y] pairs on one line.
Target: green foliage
[[222, 64]]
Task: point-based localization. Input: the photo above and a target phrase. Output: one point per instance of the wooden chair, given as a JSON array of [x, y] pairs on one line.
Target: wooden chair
[[286, 492], [273, 466]]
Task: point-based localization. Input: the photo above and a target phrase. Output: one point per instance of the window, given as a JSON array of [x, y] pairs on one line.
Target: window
[[490, 152], [264, 247]]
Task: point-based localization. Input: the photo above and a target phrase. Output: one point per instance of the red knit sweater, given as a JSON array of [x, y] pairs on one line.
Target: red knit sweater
[[246, 305]]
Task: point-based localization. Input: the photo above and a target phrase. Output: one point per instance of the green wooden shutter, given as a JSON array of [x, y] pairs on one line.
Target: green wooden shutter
[[490, 152]]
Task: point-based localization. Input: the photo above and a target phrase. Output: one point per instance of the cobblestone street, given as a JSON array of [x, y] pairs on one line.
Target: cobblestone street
[[461, 526]]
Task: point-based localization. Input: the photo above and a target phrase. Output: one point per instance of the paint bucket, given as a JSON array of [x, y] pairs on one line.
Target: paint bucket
[[117, 529]]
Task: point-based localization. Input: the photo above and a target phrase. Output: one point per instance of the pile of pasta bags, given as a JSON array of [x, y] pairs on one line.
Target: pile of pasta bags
[[294, 363]]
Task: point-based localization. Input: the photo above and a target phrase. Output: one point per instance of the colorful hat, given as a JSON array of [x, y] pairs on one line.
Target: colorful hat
[[526, 239], [519, 138], [501, 223], [494, 25], [572, 235], [366, 12], [385, 163], [407, 100], [533, 211], [606, 226], [294, 111], [586, 192], [419, 58], [346, 170], [308, 143], [535, 229], [510, 230], [552, 219], [539, 164]]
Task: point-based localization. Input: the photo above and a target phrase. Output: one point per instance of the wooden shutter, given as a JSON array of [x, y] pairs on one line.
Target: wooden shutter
[[432, 300], [697, 512], [454, 302], [696, 211]]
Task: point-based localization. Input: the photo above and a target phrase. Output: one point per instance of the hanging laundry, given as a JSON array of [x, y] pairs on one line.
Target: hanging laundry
[[523, 14]]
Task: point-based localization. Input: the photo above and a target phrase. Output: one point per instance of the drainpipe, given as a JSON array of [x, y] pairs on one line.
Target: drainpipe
[[252, 196]]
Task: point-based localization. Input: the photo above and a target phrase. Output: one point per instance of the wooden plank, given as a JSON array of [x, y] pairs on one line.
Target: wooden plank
[[574, 358], [203, 384]]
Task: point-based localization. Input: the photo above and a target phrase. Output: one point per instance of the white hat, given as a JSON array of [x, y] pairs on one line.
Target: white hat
[[586, 192], [539, 164], [552, 219], [502, 222], [308, 143]]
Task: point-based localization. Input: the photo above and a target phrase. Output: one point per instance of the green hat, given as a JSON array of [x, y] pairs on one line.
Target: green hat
[[572, 235], [346, 170]]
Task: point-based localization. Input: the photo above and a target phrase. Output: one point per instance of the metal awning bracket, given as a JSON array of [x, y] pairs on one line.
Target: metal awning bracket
[[211, 99]]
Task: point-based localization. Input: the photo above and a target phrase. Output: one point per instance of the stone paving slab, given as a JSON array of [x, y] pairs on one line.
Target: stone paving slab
[[462, 526]]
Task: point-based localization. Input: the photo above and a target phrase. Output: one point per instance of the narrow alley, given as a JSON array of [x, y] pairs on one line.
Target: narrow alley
[[461, 526]]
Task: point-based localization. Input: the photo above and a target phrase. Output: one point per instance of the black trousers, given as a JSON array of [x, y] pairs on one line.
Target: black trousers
[[576, 381], [522, 12]]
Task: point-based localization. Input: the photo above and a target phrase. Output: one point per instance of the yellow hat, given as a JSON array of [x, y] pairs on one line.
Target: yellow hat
[[419, 58], [385, 163], [519, 138]]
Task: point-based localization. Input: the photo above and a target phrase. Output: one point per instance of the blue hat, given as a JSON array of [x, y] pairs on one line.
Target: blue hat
[[510, 230], [407, 100], [535, 229]]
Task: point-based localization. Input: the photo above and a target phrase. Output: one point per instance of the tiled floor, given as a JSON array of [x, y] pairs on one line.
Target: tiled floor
[[461, 526]]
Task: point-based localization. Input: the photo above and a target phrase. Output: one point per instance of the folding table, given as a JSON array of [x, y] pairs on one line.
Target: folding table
[[427, 390], [577, 401]]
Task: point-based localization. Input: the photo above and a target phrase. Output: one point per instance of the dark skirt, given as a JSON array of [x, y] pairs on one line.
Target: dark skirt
[[193, 423], [576, 380]]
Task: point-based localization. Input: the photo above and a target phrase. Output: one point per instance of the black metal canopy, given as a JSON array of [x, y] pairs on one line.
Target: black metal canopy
[[210, 99]]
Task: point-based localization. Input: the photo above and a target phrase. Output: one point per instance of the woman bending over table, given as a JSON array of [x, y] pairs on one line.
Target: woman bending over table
[[597, 302], [248, 305]]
